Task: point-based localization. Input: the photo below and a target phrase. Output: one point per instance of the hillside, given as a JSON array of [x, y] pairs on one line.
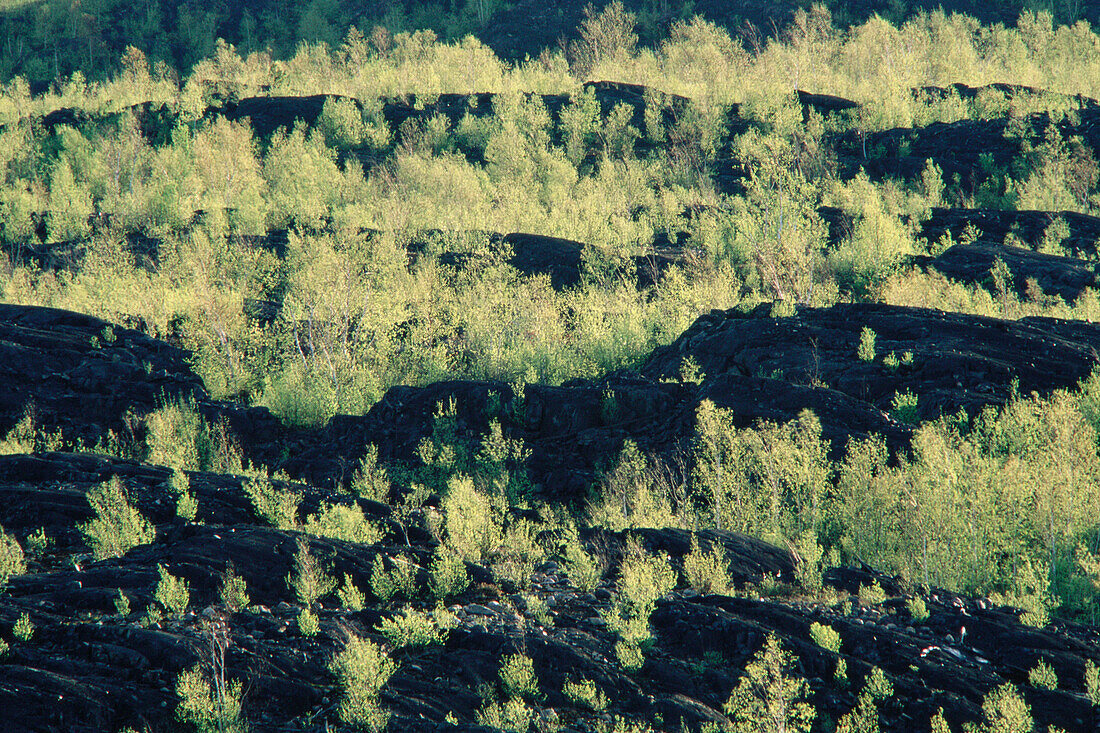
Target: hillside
[[684, 377]]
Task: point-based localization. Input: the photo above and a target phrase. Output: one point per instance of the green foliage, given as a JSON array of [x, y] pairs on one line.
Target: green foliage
[[707, 572], [233, 593], [400, 579], [584, 570], [511, 715], [918, 609], [864, 718], [308, 623], [871, 595], [24, 628], [447, 576], [1004, 711], [350, 596], [866, 350], [472, 520], [370, 480], [277, 507], [585, 693], [117, 526], [517, 678], [186, 505], [309, 580], [635, 492], [770, 481], [122, 604], [643, 579], [412, 628], [904, 408], [211, 708], [12, 560], [1043, 676], [179, 438], [362, 669], [1092, 683], [825, 637], [343, 522], [172, 593], [768, 697]]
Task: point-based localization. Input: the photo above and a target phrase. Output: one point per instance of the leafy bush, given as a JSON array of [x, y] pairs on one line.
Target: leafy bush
[[24, 628], [172, 593], [399, 579], [866, 350], [309, 581], [210, 708], [343, 522], [362, 669], [350, 596], [825, 637], [12, 561], [117, 526], [412, 628], [707, 572], [308, 622], [179, 437], [233, 593], [186, 505], [277, 507], [586, 694], [768, 696], [1042, 675], [517, 678], [448, 576], [918, 609]]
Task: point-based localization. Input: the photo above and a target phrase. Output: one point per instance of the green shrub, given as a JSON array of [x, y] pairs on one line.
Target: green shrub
[[706, 571], [342, 522], [864, 718], [179, 437], [122, 604], [210, 708], [583, 570], [350, 596], [825, 637], [1043, 676], [1092, 683], [370, 480], [1004, 711], [400, 579], [308, 622], [277, 507], [309, 581], [513, 715], [12, 561], [23, 629], [517, 678], [233, 593], [768, 696], [643, 579], [871, 595], [866, 350], [585, 694], [117, 526], [172, 593], [412, 628], [918, 609], [904, 408], [186, 505], [448, 576], [472, 521], [362, 669]]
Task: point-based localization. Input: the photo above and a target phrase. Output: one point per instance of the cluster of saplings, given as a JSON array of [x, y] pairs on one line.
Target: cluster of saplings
[[1004, 504], [356, 314]]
